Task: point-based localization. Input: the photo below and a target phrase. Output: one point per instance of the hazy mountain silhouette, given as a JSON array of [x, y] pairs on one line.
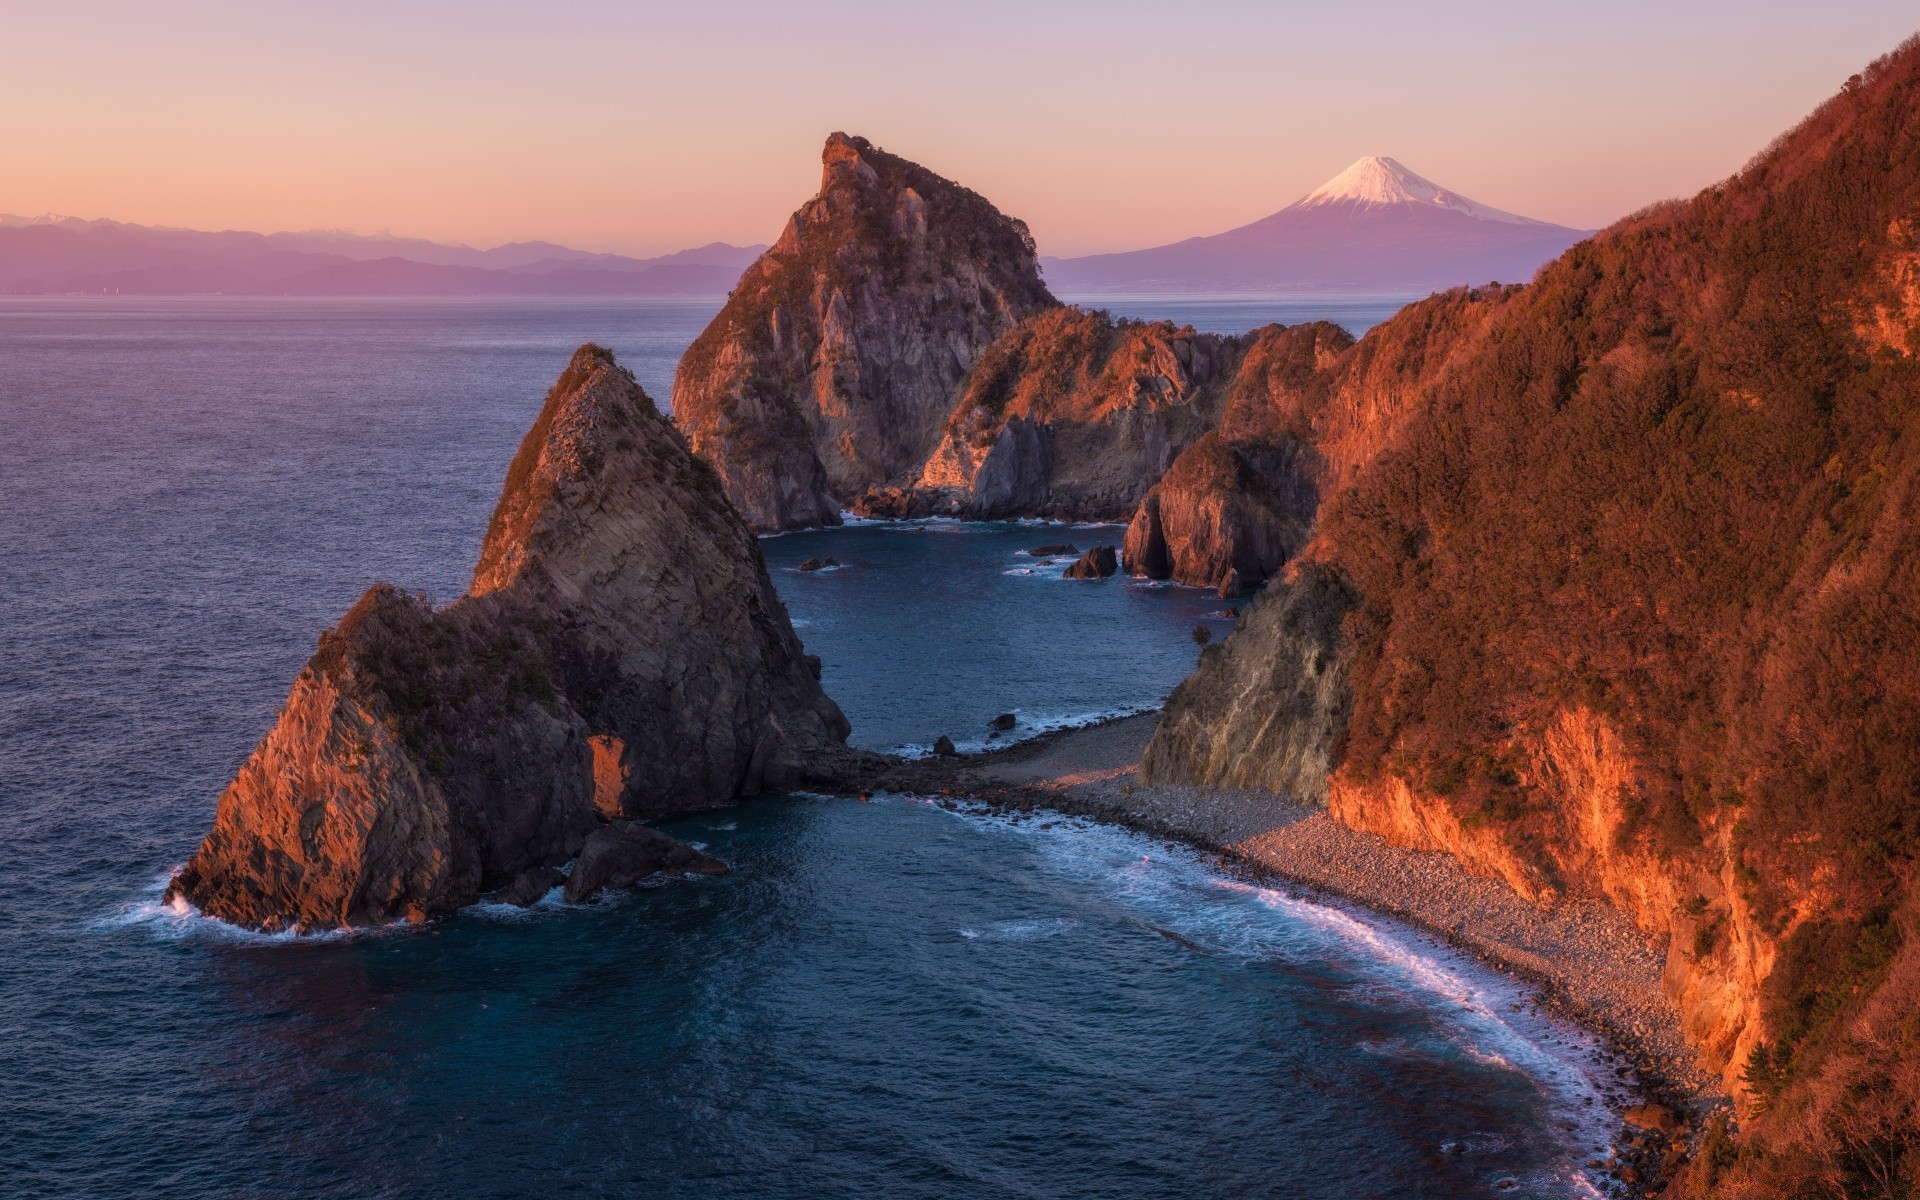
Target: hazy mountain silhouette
[[1374, 227]]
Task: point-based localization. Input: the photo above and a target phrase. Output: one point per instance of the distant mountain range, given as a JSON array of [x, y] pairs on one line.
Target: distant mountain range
[[49, 254], [1374, 227]]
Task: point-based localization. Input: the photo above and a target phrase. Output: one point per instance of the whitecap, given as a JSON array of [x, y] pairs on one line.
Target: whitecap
[[1477, 1013]]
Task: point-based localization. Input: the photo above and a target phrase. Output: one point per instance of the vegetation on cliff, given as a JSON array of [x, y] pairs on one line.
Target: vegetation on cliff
[[832, 367], [1071, 414], [1637, 614]]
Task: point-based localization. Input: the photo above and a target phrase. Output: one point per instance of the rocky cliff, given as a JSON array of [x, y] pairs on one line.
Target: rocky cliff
[[621, 654], [1632, 614], [833, 367], [1071, 414], [1241, 500]]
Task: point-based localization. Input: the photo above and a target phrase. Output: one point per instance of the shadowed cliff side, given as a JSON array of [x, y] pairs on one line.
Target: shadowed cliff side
[[621, 654], [833, 366], [1241, 500], [1635, 617]]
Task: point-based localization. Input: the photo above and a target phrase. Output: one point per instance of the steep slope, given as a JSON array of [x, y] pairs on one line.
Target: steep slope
[[1375, 226], [1633, 613], [833, 366], [1241, 500], [1070, 414], [1307, 410], [621, 654]]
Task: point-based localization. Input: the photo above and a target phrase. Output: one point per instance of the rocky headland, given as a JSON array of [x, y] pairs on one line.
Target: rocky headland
[[620, 656], [1601, 585], [832, 368], [1621, 610]]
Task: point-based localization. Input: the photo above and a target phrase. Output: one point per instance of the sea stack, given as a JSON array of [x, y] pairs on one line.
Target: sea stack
[[833, 367], [621, 654]]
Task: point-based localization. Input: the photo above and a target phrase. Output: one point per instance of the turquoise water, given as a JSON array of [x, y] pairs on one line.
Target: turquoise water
[[883, 998]]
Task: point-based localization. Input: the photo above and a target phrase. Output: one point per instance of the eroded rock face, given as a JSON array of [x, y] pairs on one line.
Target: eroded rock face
[[1226, 516], [1071, 414], [621, 653], [1266, 707], [834, 364]]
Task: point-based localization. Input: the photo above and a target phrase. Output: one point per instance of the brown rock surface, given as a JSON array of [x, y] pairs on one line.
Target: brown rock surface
[[1097, 563], [621, 647], [1073, 414], [834, 364], [1633, 553], [622, 853]]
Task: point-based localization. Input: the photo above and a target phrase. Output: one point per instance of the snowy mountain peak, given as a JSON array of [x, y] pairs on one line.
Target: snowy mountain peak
[[1382, 181]]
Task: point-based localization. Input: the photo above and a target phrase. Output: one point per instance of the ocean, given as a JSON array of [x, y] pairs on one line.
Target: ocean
[[882, 998]]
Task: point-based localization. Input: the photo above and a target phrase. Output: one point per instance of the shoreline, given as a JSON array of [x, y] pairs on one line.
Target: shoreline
[[1583, 960]]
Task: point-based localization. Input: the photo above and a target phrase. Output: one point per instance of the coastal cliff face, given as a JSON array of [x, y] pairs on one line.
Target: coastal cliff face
[[621, 654], [1307, 410], [833, 367], [1070, 415], [1241, 500], [1634, 616]]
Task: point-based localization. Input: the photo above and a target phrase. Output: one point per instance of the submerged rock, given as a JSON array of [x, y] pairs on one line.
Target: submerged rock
[[1097, 563], [1052, 548], [1003, 722], [531, 886], [621, 653]]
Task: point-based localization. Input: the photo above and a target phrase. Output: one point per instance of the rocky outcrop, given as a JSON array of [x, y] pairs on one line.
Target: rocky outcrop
[[621, 654], [832, 369], [1097, 563], [620, 854], [1226, 516], [1266, 707], [1306, 410], [1072, 415], [1629, 556]]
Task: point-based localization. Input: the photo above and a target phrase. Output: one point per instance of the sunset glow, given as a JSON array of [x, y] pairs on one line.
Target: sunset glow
[[646, 128]]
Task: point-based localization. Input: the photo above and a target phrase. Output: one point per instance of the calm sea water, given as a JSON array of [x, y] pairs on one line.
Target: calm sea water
[[883, 998]]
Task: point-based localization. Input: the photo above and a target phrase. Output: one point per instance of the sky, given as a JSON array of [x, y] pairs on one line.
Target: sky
[[643, 128]]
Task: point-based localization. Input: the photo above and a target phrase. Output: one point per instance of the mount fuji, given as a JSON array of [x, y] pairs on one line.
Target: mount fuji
[[1376, 226]]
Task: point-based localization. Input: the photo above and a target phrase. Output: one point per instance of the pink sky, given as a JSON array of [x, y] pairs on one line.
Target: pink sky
[[643, 128]]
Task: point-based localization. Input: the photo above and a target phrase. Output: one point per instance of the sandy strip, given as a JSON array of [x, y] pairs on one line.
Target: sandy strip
[[1589, 962]]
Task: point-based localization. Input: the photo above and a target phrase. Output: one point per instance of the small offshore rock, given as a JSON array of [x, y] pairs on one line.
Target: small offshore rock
[[819, 564], [622, 853], [1097, 563], [1003, 722], [1052, 548], [943, 747], [530, 886]]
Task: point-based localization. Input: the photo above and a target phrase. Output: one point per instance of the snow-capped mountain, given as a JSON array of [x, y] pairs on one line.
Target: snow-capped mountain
[[1375, 226]]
